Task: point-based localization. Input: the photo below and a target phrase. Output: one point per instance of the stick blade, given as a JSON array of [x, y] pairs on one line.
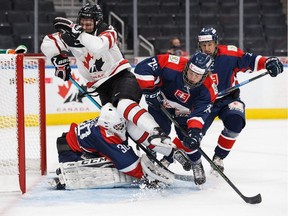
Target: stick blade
[[253, 200]]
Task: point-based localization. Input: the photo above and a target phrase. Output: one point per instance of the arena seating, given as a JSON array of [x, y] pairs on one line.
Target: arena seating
[[17, 22], [159, 21], [265, 24]]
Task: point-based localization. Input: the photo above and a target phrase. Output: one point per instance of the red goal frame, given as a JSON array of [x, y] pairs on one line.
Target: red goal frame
[[21, 117]]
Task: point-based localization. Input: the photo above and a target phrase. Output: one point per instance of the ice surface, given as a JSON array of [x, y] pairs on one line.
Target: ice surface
[[257, 164]]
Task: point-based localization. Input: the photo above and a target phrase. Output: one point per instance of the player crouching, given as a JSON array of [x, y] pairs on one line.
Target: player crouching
[[96, 154]]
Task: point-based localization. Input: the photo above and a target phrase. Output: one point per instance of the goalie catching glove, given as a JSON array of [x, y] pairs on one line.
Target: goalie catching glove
[[66, 25], [62, 67], [192, 141]]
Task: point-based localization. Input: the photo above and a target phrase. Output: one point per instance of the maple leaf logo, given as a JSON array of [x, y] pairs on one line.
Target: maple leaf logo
[[87, 60], [63, 89], [98, 64], [97, 67], [70, 95]]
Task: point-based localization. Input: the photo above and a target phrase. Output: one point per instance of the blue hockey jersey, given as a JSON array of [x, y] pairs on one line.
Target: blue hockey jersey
[[231, 60], [90, 137], [166, 72]]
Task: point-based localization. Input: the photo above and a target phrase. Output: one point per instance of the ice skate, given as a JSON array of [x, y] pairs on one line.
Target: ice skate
[[219, 163], [198, 172], [159, 138], [180, 156]]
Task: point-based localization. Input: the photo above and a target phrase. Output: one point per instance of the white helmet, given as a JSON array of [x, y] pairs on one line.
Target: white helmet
[[111, 120]]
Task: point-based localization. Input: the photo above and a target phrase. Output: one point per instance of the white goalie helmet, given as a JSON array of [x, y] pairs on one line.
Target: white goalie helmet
[[111, 120]]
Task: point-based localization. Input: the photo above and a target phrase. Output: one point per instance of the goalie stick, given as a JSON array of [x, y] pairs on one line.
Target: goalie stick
[[151, 156], [252, 200]]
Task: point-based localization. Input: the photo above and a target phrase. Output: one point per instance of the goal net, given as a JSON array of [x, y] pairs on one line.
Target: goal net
[[22, 121]]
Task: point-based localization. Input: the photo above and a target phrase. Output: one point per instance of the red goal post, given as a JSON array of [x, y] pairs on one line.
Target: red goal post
[[22, 121]]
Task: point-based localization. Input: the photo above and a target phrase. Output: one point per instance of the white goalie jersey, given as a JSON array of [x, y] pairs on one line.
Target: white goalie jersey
[[98, 57]]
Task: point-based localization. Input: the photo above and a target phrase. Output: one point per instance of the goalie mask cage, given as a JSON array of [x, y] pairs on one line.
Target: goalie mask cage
[[22, 121]]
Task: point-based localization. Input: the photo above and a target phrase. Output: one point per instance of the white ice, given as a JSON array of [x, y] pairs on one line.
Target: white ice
[[257, 164]]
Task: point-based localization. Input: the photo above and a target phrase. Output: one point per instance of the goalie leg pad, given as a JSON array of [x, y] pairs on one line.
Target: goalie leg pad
[[155, 172], [92, 174]]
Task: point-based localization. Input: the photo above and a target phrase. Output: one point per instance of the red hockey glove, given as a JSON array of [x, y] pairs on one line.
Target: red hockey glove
[[62, 67]]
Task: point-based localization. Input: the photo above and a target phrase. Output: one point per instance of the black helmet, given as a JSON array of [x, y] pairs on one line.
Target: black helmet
[[198, 63], [91, 11]]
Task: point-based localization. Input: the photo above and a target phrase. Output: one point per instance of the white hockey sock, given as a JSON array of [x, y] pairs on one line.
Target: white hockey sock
[[140, 136], [136, 114]]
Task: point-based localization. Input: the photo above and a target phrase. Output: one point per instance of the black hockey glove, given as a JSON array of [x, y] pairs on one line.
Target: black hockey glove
[[274, 66], [66, 25], [192, 141], [62, 67], [154, 98]]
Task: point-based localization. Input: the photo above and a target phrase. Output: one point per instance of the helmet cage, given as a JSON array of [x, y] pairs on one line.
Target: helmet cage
[[199, 63], [111, 120]]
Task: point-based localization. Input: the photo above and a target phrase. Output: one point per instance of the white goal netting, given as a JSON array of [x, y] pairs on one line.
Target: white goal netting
[[20, 120]]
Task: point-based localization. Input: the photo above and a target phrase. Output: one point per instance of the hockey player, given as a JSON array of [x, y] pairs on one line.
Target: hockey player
[[184, 88], [101, 64], [96, 153], [229, 60]]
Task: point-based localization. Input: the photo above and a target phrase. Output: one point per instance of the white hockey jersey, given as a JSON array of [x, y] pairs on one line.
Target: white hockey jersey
[[98, 57]]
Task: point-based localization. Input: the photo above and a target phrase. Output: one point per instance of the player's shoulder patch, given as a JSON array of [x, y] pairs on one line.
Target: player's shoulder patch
[[174, 59], [231, 48]]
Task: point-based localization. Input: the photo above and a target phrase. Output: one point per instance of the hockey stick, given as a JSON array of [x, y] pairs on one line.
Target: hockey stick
[[85, 93], [177, 176], [252, 200], [228, 90]]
